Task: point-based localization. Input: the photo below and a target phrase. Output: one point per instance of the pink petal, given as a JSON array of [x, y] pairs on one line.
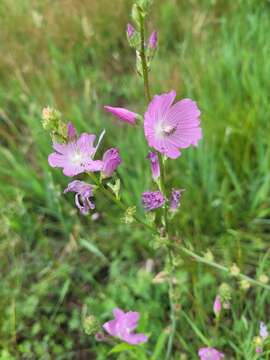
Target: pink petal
[[93, 165], [85, 143], [111, 327], [118, 313], [61, 148], [72, 170], [56, 160], [135, 339], [123, 114], [158, 108]]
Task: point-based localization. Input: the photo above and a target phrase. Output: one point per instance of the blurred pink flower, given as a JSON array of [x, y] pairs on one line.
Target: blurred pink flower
[[76, 156], [123, 325], [153, 39], [217, 305], [168, 127], [122, 114], [130, 30], [175, 199], [208, 353], [71, 131]]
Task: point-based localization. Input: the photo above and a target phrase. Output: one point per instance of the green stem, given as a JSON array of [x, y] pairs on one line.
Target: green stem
[[143, 59]]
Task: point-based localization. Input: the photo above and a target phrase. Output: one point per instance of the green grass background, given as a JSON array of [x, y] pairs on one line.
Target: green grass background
[[54, 263]]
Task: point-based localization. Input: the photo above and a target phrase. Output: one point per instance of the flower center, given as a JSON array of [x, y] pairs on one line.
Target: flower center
[[77, 158], [168, 130]]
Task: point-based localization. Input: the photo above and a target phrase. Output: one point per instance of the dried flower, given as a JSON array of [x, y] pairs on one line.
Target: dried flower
[[208, 353], [123, 114], [152, 200], [76, 156], [168, 127], [153, 157], [84, 192], [175, 198], [123, 325], [111, 160]]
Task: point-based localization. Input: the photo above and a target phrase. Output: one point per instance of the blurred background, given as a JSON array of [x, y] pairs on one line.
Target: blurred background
[[55, 264]]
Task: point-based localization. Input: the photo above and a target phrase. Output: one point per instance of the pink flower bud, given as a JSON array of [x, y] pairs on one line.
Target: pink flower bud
[[123, 114], [217, 305], [71, 132], [153, 40], [130, 30], [111, 160]]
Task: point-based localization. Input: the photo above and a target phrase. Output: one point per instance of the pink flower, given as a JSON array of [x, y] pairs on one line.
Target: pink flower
[[217, 305], [152, 200], [153, 40], [210, 354], [122, 114], [130, 30], [83, 192], [111, 160], [259, 350], [76, 156], [168, 127], [153, 157], [175, 199], [123, 325]]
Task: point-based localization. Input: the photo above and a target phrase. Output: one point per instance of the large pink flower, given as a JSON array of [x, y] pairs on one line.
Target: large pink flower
[[168, 127]]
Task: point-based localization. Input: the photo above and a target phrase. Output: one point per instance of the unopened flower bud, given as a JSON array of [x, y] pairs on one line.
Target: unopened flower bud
[[153, 40], [264, 279], [217, 305], [244, 284], [234, 270], [225, 293], [91, 325], [130, 30]]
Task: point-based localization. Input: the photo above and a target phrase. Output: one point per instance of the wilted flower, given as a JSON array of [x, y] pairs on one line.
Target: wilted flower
[[153, 40], [175, 198], [123, 325], [84, 192], [123, 114], [217, 305], [152, 200], [76, 156], [111, 160], [130, 30], [153, 157], [168, 127], [208, 353]]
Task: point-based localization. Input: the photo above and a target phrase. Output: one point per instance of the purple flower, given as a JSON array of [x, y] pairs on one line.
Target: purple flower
[[210, 354], [175, 198], [168, 127], [152, 200], [76, 156], [123, 325], [130, 30], [83, 192], [71, 132], [123, 114], [153, 157], [153, 40], [263, 331], [111, 160], [217, 305]]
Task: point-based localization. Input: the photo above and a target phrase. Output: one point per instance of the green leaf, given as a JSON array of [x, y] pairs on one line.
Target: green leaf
[[161, 342], [121, 348], [92, 248]]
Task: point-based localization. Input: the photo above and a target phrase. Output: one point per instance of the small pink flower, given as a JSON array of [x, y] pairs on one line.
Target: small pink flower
[[123, 326], [168, 127], [111, 160], [208, 353], [153, 157], [76, 156], [217, 305], [130, 30], [263, 331], [153, 40], [122, 114], [259, 350]]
